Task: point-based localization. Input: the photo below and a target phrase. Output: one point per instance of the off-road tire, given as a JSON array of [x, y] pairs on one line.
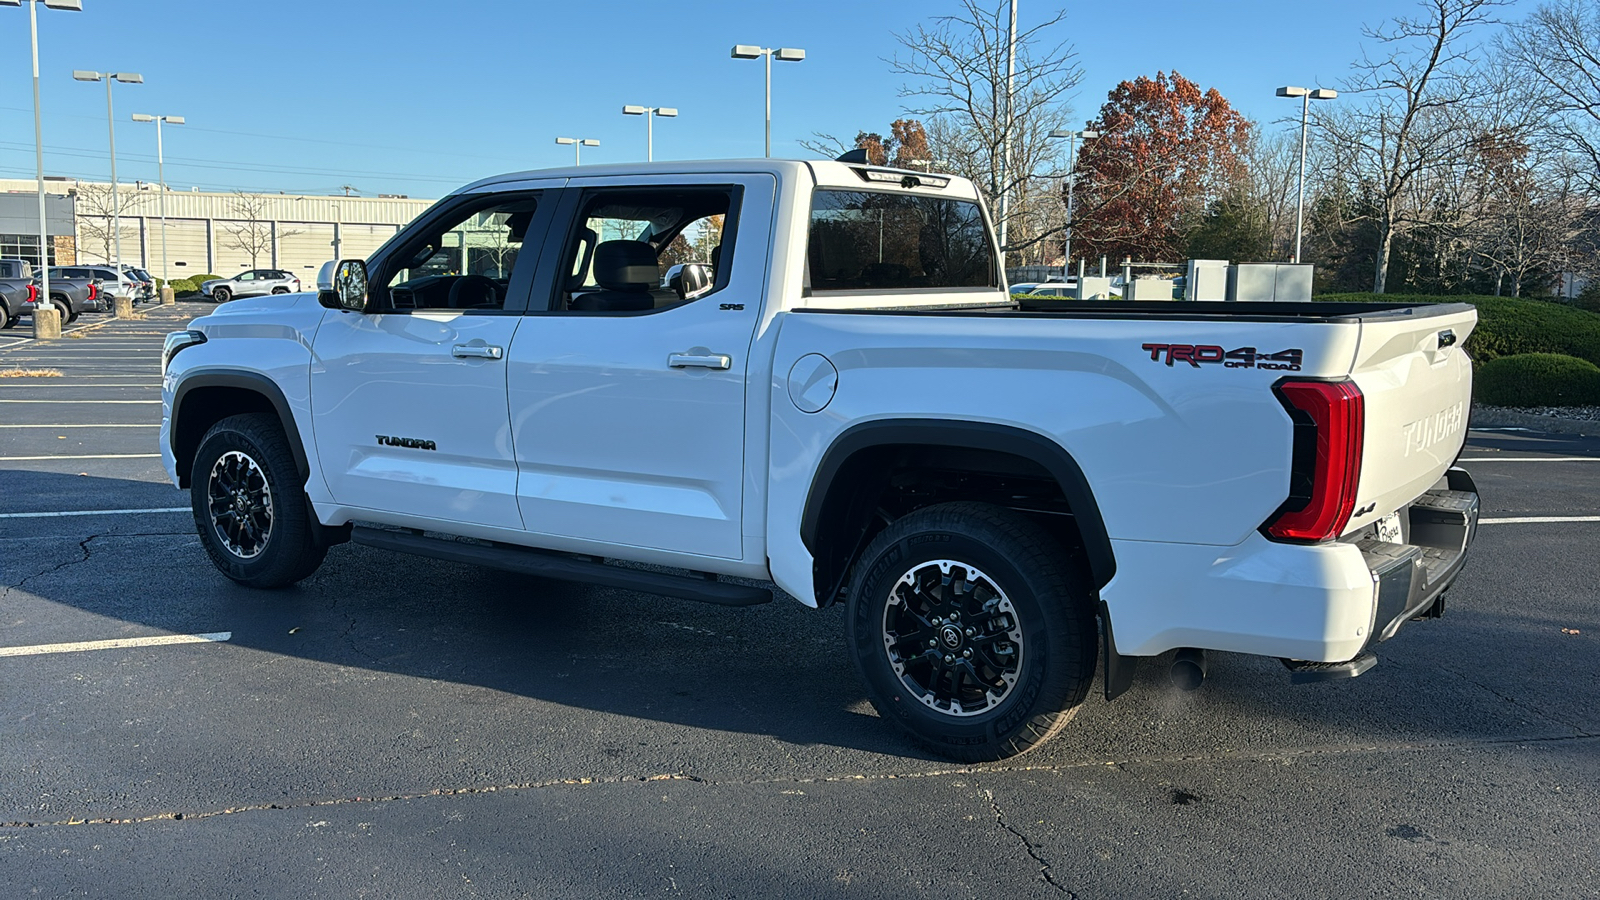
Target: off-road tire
[[289, 552], [1048, 594]]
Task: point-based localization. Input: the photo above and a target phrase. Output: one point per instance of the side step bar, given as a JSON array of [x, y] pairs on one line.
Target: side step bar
[[565, 568]]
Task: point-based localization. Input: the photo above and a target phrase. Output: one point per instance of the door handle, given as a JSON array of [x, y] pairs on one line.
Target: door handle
[[699, 361], [476, 351]]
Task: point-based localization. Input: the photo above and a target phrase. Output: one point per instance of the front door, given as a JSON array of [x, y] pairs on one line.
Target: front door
[[627, 394], [409, 398]]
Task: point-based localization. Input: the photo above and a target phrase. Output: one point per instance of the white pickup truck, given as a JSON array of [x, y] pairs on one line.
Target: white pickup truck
[[835, 392]]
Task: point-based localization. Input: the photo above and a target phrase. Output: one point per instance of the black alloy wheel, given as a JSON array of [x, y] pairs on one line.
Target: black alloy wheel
[[250, 507], [221, 295], [973, 629]]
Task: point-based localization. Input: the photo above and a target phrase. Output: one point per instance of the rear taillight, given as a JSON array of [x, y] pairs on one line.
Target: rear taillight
[[1329, 418], [93, 290], [33, 293]]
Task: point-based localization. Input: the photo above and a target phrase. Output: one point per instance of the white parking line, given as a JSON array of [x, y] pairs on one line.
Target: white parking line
[[159, 640], [93, 456], [1491, 459], [140, 425], [80, 401], [1537, 520], [94, 512]]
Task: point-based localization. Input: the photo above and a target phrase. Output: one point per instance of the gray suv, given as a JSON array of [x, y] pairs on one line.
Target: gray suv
[[251, 283]]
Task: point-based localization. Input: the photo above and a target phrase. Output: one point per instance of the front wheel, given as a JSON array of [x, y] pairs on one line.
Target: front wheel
[[972, 630], [253, 517], [221, 295]]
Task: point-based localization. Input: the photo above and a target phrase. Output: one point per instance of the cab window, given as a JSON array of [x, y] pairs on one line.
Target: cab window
[[463, 262], [645, 249]]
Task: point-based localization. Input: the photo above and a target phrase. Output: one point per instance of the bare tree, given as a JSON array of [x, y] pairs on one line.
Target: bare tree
[[955, 71], [1558, 49], [93, 208], [251, 231], [1410, 119]]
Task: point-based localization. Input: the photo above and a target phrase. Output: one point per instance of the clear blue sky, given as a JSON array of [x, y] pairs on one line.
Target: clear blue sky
[[415, 97]]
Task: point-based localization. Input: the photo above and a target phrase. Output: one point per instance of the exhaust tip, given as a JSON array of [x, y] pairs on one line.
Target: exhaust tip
[[1188, 669]]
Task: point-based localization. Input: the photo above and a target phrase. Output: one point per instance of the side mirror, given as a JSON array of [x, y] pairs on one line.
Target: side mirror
[[349, 287]]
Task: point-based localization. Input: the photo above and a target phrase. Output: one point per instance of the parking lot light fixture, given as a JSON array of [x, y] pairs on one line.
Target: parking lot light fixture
[[111, 123], [1072, 182], [577, 147], [161, 180], [784, 54], [38, 129], [650, 113], [1306, 95]]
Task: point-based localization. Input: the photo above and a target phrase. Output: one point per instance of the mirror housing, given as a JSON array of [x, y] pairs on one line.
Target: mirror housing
[[348, 287]]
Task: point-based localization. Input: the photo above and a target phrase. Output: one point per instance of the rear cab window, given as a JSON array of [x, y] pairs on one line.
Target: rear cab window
[[872, 246]]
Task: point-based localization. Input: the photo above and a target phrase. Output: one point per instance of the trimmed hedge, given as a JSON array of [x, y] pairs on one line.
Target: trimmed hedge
[[1538, 379], [1512, 327]]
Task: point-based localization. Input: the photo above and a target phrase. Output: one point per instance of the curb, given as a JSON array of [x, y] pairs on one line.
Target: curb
[[1501, 417]]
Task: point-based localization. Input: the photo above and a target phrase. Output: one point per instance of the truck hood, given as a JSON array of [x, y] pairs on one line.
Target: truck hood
[[262, 303]]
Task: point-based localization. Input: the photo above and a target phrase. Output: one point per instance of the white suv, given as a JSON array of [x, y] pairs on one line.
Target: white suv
[[251, 283]]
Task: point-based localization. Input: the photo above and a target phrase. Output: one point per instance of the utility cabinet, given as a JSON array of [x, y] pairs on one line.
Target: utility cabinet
[[1269, 283]]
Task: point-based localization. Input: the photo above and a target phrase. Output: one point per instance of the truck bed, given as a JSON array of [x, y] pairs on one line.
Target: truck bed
[[1175, 310]]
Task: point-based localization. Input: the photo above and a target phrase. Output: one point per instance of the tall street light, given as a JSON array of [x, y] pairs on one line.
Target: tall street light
[[577, 147], [38, 130], [650, 113], [161, 181], [1072, 182], [1306, 96], [111, 123], [784, 54]]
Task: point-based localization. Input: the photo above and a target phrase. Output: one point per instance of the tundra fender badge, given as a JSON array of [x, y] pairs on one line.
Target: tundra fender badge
[[389, 440]]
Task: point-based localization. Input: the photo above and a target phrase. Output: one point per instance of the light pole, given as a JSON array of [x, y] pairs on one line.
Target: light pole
[[650, 113], [577, 147], [161, 181], [111, 124], [38, 131], [1004, 231], [784, 54], [1072, 182], [1306, 96]]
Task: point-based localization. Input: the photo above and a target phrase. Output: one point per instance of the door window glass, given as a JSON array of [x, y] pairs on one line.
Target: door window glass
[[464, 262], [644, 249]]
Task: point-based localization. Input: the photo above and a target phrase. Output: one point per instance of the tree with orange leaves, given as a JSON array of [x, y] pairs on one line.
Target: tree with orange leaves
[[1166, 150]]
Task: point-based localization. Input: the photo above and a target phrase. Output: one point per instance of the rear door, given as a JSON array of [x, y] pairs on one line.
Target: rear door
[[627, 399], [409, 399], [1416, 385]]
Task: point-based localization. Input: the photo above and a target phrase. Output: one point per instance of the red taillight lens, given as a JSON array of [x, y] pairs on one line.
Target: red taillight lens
[[93, 290], [33, 293], [1329, 418]]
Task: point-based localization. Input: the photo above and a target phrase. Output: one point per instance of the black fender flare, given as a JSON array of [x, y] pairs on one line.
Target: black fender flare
[[211, 376], [976, 436]]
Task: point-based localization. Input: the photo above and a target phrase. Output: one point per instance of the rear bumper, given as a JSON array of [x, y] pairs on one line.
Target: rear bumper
[[1412, 577], [1324, 603]]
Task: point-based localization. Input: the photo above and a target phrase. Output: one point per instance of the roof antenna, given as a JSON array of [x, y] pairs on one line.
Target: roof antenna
[[858, 156]]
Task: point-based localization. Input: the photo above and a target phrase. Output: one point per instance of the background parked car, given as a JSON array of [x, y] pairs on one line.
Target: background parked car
[[147, 284], [251, 283], [106, 278]]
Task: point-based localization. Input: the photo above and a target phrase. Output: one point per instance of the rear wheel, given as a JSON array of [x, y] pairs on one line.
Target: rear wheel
[[972, 630], [7, 320], [280, 290], [67, 315], [251, 512], [221, 295]]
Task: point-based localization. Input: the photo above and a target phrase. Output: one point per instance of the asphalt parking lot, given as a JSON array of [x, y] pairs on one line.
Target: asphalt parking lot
[[399, 727]]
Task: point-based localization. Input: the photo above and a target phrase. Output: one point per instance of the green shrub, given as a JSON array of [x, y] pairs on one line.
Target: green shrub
[[202, 279], [1589, 298], [181, 286], [1511, 327], [1538, 379]]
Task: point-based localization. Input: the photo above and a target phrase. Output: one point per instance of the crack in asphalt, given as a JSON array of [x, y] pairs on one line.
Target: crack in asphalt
[[83, 546], [1514, 701], [1028, 846], [1266, 756]]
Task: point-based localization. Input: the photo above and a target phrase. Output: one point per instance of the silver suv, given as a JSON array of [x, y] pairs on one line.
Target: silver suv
[[251, 283]]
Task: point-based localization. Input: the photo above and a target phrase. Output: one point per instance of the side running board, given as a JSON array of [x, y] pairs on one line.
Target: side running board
[[565, 568]]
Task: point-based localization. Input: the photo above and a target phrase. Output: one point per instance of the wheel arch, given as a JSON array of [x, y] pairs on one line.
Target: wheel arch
[[860, 459], [206, 396]]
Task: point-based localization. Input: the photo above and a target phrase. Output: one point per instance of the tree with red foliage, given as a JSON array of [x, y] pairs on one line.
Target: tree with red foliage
[[1166, 150]]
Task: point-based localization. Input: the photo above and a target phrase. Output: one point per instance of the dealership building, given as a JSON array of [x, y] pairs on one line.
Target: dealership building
[[206, 232]]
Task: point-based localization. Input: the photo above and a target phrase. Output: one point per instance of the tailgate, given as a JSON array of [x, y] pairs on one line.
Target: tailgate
[[1416, 381]]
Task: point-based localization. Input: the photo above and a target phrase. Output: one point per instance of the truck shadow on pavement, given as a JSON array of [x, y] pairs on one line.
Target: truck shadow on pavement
[[779, 671]]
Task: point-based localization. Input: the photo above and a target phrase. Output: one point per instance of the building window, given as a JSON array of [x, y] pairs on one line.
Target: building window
[[24, 246]]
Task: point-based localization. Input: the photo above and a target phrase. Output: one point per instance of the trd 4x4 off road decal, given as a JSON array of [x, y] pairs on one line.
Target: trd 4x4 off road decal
[[1242, 358]]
